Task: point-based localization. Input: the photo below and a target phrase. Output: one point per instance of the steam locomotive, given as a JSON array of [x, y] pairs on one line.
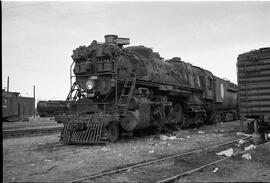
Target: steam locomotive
[[123, 89]]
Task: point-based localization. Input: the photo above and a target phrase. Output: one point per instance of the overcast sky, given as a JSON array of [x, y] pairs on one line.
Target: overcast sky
[[38, 37]]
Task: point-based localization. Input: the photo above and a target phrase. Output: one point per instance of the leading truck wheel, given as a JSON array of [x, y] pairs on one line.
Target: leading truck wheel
[[113, 132], [159, 124], [250, 126]]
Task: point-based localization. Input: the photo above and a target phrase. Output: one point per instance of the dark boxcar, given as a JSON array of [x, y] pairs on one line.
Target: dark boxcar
[[26, 106], [15, 107], [10, 106], [254, 86]]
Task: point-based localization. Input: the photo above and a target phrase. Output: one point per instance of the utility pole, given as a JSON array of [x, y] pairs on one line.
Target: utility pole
[[8, 84], [34, 93]]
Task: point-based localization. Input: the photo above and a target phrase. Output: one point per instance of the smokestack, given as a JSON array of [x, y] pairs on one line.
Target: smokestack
[[110, 39], [8, 84]]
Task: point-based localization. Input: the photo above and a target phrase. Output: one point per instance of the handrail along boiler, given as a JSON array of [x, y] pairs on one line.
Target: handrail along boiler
[[122, 89]]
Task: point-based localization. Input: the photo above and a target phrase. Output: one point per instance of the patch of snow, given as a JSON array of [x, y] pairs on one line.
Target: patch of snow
[[215, 170], [228, 152], [247, 156], [250, 147], [152, 151], [241, 133], [104, 149]]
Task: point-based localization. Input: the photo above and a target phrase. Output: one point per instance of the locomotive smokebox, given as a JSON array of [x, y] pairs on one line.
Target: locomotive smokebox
[[110, 39]]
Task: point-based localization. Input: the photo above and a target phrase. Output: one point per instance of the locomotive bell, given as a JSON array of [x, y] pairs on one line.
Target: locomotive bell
[[99, 51]]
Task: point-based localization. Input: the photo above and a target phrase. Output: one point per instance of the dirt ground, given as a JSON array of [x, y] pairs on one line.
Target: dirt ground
[[22, 163], [236, 169]]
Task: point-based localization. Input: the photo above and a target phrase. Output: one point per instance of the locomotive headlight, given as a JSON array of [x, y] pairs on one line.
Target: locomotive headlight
[[90, 84]]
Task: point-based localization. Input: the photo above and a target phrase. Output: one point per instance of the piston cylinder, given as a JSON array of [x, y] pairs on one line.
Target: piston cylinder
[[137, 119]]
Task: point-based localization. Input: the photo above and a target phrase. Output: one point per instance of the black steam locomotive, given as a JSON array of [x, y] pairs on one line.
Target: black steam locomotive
[[122, 89]]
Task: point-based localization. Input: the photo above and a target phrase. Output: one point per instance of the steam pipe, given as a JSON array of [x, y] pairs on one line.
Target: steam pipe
[[70, 73], [116, 80]]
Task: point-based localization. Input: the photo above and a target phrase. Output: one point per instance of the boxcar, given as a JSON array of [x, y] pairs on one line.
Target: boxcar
[[253, 72], [15, 107]]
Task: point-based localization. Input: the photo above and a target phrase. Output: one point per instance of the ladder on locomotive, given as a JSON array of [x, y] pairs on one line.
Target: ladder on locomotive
[[126, 93], [75, 87]]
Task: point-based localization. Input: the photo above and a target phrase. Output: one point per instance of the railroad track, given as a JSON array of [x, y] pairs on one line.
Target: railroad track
[[177, 176], [166, 169], [58, 144], [30, 131]]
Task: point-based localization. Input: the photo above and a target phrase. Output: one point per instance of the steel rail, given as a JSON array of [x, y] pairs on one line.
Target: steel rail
[[49, 146], [152, 161], [30, 131], [204, 166]]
